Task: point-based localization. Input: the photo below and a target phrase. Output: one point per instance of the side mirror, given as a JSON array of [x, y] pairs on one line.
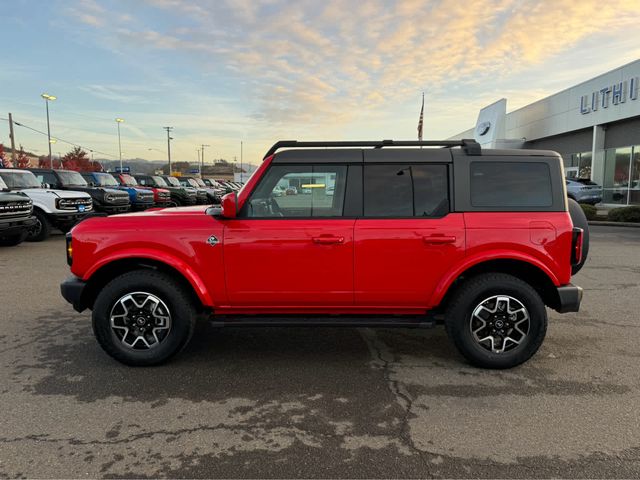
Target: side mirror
[[45, 185], [229, 205]]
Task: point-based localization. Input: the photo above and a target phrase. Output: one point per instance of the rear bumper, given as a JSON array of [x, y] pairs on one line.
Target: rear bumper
[[569, 297], [72, 289]]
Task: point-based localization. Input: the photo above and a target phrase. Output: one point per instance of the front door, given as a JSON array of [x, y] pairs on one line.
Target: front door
[[291, 245], [407, 238]]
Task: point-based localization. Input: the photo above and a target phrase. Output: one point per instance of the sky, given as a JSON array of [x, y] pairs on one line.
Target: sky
[[222, 72]]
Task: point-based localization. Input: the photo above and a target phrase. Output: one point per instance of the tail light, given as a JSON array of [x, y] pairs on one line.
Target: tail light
[[576, 245]]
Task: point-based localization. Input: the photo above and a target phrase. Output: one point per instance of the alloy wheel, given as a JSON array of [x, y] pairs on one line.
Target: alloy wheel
[[140, 320], [500, 323]]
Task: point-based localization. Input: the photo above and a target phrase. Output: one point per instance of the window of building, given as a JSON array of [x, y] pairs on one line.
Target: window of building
[[405, 190], [299, 191], [510, 184], [617, 163]]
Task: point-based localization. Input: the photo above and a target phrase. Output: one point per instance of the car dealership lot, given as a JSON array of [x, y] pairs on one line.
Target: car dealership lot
[[329, 402]]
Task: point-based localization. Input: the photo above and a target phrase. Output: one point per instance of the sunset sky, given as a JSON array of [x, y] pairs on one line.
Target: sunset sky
[[221, 72]]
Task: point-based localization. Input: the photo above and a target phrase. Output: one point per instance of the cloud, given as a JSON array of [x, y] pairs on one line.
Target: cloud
[[345, 62]]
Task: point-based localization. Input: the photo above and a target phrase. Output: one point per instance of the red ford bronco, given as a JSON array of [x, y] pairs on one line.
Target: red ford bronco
[[383, 233]]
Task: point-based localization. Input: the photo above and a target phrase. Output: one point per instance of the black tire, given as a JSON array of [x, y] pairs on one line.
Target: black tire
[[579, 220], [13, 240], [471, 294], [41, 230], [178, 301]]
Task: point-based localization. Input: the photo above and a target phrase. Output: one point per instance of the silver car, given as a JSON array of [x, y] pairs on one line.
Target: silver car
[[584, 191]]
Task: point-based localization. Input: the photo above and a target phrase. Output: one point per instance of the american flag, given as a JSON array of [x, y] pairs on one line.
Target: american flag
[[421, 121]]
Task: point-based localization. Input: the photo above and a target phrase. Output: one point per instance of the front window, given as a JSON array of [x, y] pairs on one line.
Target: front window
[[71, 179], [128, 180], [105, 180], [173, 181], [291, 191], [159, 181], [19, 180]]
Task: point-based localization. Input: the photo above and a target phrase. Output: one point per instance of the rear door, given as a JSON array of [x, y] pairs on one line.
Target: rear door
[[294, 249], [407, 238]]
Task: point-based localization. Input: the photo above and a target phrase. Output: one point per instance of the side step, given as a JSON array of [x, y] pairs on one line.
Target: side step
[[323, 321]]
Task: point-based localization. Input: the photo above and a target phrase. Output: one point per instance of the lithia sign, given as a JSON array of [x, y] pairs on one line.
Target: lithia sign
[[611, 95]]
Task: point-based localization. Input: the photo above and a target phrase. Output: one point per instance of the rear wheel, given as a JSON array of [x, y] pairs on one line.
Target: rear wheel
[[496, 320], [42, 228], [143, 318]]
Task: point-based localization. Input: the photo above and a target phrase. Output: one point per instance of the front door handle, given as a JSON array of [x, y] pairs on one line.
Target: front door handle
[[328, 240], [439, 239]]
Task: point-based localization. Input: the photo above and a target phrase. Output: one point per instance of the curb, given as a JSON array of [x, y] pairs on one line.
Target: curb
[[614, 224]]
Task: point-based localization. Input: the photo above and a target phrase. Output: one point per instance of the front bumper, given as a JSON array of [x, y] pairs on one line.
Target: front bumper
[[139, 207], [113, 209], [72, 289], [12, 226], [569, 298], [67, 219]]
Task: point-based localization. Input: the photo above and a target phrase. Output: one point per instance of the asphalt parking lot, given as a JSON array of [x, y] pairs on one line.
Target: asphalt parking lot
[[320, 402]]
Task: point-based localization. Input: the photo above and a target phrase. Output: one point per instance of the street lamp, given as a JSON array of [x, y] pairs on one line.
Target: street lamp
[[118, 122], [49, 98]]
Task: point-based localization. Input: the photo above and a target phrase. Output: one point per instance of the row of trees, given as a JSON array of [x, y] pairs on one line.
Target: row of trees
[[76, 159], [22, 159]]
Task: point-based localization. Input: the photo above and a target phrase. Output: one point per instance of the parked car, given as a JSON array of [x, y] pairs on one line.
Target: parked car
[[107, 200], [202, 196], [584, 191], [176, 196], [59, 209], [16, 218], [482, 238], [189, 195], [213, 194], [139, 199]]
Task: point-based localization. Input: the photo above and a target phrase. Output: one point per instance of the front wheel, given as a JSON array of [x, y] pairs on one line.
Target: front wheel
[[496, 320], [41, 230], [143, 317]]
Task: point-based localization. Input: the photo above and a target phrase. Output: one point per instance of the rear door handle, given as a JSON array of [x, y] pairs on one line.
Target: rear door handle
[[328, 240], [439, 239]]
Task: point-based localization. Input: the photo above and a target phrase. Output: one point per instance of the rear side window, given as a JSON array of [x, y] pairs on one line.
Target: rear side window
[[510, 184], [406, 190]]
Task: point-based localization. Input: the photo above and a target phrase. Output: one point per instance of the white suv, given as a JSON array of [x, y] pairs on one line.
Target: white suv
[[61, 209]]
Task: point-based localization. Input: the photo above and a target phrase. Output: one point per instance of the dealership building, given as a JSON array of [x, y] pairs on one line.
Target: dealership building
[[594, 125]]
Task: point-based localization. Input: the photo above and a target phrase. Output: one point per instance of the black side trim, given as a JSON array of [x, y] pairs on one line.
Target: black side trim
[[569, 297], [423, 321]]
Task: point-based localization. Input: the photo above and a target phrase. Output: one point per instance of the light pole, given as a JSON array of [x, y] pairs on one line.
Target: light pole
[[169, 138], [49, 98], [202, 158], [241, 145], [118, 122]]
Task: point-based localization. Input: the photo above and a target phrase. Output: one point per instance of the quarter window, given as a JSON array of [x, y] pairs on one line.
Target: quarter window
[[406, 190], [299, 191], [510, 184]]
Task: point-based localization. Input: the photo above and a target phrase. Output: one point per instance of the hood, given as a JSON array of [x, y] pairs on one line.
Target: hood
[[58, 193], [155, 212]]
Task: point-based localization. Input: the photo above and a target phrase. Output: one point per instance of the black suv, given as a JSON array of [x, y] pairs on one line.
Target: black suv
[[179, 195], [16, 218], [107, 200]]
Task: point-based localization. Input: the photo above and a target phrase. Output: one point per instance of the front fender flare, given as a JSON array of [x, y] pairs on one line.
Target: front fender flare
[[162, 257]]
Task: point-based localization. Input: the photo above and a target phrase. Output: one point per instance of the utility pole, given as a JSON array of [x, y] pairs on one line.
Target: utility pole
[[13, 140], [202, 158], [119, 121], [168, 129], [241, 161], [49, 98]]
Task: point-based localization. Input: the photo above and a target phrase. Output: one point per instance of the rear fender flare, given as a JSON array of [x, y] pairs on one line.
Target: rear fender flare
[[446, 282]]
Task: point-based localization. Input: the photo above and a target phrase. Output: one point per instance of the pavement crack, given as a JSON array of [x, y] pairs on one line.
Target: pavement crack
[[385, 359]]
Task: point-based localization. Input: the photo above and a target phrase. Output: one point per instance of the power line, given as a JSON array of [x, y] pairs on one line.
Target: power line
[[58, 138]]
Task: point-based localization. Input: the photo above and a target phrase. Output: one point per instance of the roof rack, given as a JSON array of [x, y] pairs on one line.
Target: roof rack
[[470, 146]]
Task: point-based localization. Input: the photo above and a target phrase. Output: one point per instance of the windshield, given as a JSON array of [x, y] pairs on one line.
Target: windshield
[[16, 180], [190, 182], [3, 186], [200, 182], [105, 180], [70, 179], [173, 181], [128, 180], [159, 181]]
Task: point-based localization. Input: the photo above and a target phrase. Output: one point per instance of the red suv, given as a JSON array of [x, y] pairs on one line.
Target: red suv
[[382, 233]]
